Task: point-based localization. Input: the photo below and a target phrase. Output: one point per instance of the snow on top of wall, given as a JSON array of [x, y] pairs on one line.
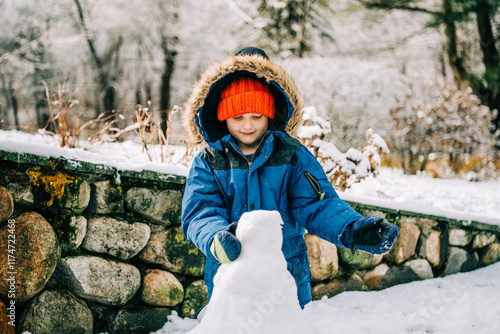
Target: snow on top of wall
[[122, 156]]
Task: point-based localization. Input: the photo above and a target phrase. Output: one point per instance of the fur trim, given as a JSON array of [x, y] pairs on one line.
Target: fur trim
[[262, 68]]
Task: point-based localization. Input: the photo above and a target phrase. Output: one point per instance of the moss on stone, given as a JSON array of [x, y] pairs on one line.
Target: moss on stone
[[196, 298], [171, 293], [184, 253], [63, 225], [56, 191]]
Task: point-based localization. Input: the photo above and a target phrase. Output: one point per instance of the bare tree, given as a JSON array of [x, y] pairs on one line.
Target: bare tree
[[169, 11], [106, 65]]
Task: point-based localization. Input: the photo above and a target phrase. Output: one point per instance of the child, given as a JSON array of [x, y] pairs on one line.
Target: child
[[246, 108]]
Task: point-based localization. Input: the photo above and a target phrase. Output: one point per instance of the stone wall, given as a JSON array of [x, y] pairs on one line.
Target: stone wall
[[91, 249], [427, 246]]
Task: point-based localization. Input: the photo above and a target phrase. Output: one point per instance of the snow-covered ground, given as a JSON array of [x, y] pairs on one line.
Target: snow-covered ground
[[453, 198], [461, 303], [456, 304]]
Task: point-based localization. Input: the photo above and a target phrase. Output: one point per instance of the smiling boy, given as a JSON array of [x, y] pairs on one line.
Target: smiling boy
[[247, 109]]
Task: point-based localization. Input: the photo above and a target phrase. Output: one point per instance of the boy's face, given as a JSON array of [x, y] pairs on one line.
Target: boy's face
[[247, 130]]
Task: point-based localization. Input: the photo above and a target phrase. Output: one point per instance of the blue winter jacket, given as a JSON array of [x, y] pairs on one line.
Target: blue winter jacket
[[283, 175]]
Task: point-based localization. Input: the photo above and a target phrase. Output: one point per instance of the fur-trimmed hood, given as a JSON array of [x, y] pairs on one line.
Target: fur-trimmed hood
[[200, 115]]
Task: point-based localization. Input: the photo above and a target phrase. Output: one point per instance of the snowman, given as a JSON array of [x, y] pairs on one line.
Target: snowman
[[255, 294]]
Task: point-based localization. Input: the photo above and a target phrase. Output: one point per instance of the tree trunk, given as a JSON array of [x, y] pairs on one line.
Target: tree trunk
[[165, 86], [149, 91], [42, 73], [109, 98], [489, 95], [456, 63], [138, 97], [487, 39], [104, 82], [15, 110]]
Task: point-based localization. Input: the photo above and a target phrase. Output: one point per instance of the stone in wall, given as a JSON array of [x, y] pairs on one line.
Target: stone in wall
[[338, 285], [460, 260], [384, 276], [161, 288], [173, 252], [36, 254], [53, 191], [459, 237], [160, 207], [483, 239], [421, 267], [421, 223], [136, 320], [196, 298], [323, 258], [70, 229], [97, 279], [359, 260], [22, 194], [490, 254], [105, 197], [56, 311], [377, 213], [6, 205], [5, 327], [430, 246], [405, 244], [115, 237]]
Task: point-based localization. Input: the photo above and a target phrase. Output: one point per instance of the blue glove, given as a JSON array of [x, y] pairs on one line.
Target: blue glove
[[225, 247], [370, 234]]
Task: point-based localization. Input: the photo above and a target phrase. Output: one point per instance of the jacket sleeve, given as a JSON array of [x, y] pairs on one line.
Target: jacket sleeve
[[314, 203], [203, 211]]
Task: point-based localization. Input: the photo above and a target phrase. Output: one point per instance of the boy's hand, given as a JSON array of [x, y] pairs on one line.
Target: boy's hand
[[225, 247], [372, 235]]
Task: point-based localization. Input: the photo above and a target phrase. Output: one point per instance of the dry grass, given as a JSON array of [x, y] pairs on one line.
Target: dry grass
[[67, 121], [154, 141], [67, 124], [483, 167]]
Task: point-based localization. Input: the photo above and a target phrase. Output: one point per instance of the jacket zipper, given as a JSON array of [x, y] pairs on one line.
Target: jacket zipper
[[315, 184], [249, 163], [253, 157]]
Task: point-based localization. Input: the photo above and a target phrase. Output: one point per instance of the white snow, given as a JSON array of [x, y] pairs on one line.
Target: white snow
[[309, 131], [127, 155], [311, 114], [452, 198]]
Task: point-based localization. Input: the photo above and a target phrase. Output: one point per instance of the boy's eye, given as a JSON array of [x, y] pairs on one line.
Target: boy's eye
[[238, 117], [257, 116]]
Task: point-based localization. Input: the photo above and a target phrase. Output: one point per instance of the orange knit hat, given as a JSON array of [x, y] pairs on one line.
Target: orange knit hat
[[245, 96]]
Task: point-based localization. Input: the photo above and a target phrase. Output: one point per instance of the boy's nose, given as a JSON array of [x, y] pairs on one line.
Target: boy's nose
[[247, 124]]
